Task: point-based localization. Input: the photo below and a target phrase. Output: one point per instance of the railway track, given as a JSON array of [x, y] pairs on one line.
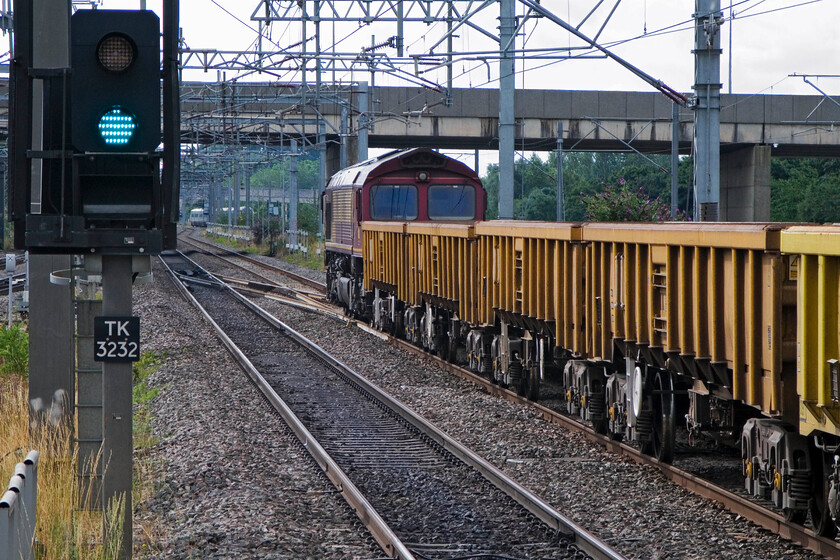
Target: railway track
[[235, 257], [439, 499], [741, 505], [17, 278]]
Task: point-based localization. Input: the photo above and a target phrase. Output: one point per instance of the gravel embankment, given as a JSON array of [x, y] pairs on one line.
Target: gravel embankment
[[633, 507], [234, 481], [216, 501]]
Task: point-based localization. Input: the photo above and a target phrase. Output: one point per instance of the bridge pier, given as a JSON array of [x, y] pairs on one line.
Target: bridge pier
[[745, 184], [334, 155]]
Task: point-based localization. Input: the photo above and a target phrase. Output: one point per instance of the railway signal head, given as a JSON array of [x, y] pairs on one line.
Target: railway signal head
[[115, 93], [105, 184]]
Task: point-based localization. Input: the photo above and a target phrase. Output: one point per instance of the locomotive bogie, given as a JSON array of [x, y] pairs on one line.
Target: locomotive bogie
[[344, 284]]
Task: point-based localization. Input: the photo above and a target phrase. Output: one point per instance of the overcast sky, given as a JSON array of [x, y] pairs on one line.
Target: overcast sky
[[771, 39]]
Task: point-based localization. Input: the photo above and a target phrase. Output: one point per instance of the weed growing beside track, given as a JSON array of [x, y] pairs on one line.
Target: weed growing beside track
[[311, 259], [64, 530], [147, 479]]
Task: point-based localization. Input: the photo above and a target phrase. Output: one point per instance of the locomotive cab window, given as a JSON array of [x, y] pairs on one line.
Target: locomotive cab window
[[393, 202], [451, 202]]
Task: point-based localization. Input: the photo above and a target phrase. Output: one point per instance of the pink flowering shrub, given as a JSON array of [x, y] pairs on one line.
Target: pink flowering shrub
[[625, 204]]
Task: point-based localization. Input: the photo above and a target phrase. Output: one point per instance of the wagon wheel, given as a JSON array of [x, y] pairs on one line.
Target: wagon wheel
[[397, 326], [597, 407], [663, 416], [451, 355], [823, 523], [797, 516], [531, 383]]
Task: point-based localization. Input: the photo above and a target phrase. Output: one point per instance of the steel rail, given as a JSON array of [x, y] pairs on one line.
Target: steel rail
[[748, 509], [297, 277], [744, 507], [383, 534], [583, 539]]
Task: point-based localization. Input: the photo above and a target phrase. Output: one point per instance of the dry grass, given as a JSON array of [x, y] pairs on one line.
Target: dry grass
[[312, 259], [63, 531]]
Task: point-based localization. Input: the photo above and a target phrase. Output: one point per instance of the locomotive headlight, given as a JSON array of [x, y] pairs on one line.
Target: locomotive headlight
[[423, 176]]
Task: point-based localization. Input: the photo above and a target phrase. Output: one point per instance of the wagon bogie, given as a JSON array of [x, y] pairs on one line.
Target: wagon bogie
[[585, 386], [777, 465]]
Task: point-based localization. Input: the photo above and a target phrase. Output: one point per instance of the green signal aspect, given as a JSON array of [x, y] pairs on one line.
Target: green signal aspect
[[117, 127]]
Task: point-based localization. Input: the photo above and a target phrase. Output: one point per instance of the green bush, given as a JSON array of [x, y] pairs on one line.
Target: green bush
[[14, 350]]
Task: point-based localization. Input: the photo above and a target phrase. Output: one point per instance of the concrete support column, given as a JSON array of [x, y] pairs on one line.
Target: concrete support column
[[333, 160], [745, 185], [363, 122], [51, 382]]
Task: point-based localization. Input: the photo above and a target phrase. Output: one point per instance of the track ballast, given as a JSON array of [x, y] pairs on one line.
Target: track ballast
[[436, 504]]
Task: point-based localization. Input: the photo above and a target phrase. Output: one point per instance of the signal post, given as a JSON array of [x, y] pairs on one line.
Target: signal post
[[105, 188]]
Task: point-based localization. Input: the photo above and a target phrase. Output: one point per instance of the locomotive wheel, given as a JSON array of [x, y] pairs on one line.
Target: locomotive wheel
[[664, 427], [823, 523]]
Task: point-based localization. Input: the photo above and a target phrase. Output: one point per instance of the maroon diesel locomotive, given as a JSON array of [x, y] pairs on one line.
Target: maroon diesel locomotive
[[414, 185]]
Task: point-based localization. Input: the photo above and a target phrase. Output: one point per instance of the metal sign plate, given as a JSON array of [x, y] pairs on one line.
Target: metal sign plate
[[116, 339]]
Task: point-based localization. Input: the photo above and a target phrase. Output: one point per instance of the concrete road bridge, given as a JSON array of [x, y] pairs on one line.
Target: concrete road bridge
[[792, 125], [753, 128]]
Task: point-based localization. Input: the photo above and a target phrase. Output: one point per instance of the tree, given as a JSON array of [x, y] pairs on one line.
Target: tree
[[584, 174], [308, 218], [625, 204], [491, 185], [541, 205], [276, 176], [529, 176], [805, 190]]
